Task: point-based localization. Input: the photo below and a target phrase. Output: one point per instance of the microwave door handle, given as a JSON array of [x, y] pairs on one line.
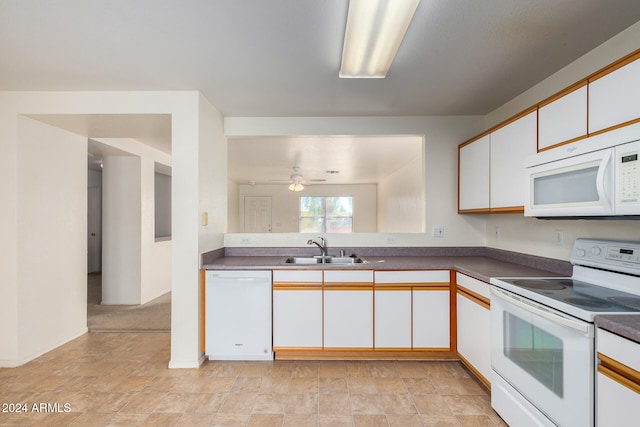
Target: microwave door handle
[[539, 311], [603, 179]]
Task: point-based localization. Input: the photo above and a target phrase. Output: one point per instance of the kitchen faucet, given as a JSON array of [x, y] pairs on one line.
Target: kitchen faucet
[[322, 246]]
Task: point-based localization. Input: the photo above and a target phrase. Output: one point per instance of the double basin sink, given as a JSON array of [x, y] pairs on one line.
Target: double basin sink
[[334, 260]]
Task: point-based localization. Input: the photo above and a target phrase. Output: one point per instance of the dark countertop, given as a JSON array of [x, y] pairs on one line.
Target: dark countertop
[[625, 325], [479, 267]]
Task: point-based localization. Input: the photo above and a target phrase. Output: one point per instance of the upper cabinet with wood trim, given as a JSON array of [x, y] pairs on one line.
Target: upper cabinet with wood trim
[[563, 119], [473, 171], [613, 96], [510, 146], [491, 168]]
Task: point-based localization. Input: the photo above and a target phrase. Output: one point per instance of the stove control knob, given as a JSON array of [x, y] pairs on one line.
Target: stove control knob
[[581, 252], [596, 250]]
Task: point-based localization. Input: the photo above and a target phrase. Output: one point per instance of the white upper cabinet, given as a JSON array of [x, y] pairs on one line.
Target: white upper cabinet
[[474, 175], [510, 146], [613, 98], [563, 119]]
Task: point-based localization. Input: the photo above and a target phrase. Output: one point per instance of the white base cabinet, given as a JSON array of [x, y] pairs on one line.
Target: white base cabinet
[[297, 318], [474, 324], [618, 380], [348, 319], [431, 319], [393, 319], [348, 309], [412, 310], [297, 309]]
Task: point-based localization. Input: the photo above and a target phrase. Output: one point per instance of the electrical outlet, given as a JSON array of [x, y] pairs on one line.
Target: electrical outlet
[[559, 237], [497, 232], [437, 231], [392, 239], [245, 241]]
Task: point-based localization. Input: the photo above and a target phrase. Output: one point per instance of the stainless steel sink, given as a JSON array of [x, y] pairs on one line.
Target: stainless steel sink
[[325, 260]]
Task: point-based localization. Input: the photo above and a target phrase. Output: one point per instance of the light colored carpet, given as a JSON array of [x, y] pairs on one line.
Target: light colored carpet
[[154, 316]]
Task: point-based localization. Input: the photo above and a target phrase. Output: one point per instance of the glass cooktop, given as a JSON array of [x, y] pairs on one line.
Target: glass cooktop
[[581, 299]]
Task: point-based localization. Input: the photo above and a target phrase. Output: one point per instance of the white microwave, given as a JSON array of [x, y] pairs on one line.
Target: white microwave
[[586, 181]]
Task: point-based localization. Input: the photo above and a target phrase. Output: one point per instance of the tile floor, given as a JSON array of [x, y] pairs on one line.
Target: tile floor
[[122, 379]]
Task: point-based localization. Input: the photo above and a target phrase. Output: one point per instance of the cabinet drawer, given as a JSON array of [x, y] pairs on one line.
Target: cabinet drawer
[[348, 276], [474, 285], [620, 349], [297, 276], [418, 276]]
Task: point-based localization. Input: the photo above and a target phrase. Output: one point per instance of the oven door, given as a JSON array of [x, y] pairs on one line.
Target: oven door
[[545, 356]]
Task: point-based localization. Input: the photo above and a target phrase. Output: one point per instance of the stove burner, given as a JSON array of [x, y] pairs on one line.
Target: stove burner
[[587, 302], [550, 285], [633, 302]]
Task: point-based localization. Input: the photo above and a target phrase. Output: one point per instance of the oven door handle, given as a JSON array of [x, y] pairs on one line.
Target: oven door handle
[[542, 311]]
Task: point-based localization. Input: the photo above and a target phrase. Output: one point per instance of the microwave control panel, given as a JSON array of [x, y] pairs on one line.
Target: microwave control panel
[[628, 178]]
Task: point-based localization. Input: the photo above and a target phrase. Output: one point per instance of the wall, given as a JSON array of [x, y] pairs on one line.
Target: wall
[[233, 213], [210, 157], [52, 238], [286, 204], [442, 136], [537, 237], [17, 343], [122, 230], [401, 200]]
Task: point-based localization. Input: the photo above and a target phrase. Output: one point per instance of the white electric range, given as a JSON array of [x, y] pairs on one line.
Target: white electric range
[[542, 344]]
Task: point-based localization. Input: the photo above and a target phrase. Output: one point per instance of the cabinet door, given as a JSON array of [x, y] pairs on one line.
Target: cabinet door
[[618, 379], [474, 324], [474, 335], [616, 404], [563, 119], [431, 319], [297, 308], [613, 98], [348, 309], [393, 318], [297, 317], [473, 172], [348, 318], [510, 146]]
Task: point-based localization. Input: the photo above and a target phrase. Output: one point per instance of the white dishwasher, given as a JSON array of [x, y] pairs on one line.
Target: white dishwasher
[[238, 315]]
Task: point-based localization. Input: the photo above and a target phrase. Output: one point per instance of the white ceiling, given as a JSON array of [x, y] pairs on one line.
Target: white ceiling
[[281, 57]]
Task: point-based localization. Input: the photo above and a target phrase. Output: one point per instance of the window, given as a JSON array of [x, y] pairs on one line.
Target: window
[[326, 214]]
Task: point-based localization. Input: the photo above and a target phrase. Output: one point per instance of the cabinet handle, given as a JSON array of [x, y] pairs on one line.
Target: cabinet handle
[[618, 372]]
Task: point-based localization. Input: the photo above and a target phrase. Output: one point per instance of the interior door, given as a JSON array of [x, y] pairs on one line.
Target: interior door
[[94, 230], [257, 214]]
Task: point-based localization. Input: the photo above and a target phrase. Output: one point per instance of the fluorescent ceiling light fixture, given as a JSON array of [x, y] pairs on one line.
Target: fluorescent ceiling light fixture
[[374, 32]]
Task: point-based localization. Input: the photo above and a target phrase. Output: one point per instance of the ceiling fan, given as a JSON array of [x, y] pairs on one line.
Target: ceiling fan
[[297, 181]]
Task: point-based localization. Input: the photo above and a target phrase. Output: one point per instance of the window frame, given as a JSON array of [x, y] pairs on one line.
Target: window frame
[[325, 218]]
